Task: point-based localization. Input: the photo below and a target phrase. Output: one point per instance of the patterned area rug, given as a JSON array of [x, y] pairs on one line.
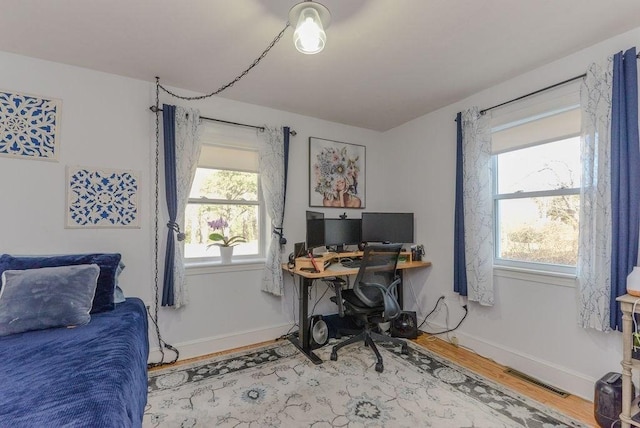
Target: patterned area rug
[[276, 386]]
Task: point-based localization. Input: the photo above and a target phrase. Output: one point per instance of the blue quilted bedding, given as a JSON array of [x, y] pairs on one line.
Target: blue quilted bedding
[[90, 376]]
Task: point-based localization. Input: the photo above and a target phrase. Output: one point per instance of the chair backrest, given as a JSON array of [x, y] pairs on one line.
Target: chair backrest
[[378, 266]]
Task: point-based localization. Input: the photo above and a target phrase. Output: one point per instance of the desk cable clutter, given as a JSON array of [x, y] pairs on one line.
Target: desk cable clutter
[[447, 330]]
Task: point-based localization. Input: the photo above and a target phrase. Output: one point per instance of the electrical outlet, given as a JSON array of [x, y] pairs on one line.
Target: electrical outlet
[[454, 341]]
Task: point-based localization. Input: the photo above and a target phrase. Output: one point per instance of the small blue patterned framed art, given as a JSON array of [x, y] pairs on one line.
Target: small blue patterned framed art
[[29, 126], [101, 198]]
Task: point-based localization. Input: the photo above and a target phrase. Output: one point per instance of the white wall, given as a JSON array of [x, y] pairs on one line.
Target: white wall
[[533, 325], [103, 124]]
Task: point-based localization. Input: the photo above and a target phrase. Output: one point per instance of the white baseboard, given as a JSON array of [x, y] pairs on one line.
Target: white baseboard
[[210, 345], [560, 377]]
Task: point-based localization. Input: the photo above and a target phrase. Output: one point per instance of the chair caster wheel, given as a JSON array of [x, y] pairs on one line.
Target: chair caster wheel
[[405, 349], [379, 367], [334, 356]]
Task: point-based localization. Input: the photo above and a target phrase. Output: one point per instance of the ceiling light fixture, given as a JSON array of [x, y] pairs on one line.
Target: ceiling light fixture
[[311, 19]]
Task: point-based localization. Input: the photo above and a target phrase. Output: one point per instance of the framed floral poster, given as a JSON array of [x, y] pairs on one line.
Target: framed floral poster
[[336, 174]]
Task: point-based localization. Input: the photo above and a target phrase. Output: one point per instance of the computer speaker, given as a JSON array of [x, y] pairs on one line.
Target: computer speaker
[[318, 332], [405, 326]]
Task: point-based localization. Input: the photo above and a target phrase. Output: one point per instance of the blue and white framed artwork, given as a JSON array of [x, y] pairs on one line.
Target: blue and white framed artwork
[[29, 126], [101, 198]]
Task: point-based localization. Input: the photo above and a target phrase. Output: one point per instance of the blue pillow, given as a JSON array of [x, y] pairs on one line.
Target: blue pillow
[[36, 299], [118, 294], [108, 263]]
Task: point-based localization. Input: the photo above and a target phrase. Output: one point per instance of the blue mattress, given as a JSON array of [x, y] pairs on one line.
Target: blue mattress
[[90, 376]]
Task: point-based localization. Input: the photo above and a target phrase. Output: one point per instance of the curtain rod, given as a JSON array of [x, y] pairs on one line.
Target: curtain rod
[[537, 92], [260, 128], [546, 88]]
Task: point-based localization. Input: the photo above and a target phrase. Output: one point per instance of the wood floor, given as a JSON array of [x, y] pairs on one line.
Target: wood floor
[[572, 406]]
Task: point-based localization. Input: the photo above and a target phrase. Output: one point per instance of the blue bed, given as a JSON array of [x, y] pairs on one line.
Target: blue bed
[[93, 375]]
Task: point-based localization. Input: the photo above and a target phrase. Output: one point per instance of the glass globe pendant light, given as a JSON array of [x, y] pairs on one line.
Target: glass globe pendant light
[[311, 19]]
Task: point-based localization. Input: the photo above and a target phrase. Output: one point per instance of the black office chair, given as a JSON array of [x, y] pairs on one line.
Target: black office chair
[[372, 299]]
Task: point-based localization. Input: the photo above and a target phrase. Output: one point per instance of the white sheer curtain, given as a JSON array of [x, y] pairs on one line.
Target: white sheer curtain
[[594, 248], [478, 205], [188, 147], [271, 161]]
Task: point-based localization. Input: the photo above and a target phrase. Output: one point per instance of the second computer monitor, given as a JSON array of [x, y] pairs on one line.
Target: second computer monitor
[[315, 230], [340, 232], [387, 227]]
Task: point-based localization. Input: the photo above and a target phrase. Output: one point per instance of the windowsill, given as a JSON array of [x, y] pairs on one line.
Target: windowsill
[[211, 267], [532, 275]]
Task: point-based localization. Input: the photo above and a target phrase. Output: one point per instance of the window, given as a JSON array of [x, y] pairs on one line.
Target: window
[[227, 186], [536, 177]]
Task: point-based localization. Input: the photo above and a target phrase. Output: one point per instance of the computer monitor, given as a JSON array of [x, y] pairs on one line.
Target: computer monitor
[[387, 227], [315, 230], [340, 232]]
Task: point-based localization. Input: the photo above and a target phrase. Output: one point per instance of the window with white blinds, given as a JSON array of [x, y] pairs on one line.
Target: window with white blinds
[[536, 176], [225, 193]]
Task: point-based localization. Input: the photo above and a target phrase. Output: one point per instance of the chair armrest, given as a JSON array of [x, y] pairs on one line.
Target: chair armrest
[[391, 305], [336, 284]]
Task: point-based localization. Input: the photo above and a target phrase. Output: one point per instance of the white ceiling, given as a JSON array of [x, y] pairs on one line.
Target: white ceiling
[[386, 61]]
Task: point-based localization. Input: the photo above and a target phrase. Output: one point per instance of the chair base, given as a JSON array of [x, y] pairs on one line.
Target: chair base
[[369, 337]]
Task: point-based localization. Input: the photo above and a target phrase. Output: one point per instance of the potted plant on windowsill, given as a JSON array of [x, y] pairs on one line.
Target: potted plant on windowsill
[[221, 240]]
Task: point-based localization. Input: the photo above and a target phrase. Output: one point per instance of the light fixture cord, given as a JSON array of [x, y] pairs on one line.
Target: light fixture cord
[[154, 317], [240, 76]]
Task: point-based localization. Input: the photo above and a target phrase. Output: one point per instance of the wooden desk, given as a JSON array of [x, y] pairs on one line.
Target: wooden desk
[[305, 281]]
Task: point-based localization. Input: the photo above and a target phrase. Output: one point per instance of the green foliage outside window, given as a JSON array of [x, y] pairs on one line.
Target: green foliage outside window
[[220, 186]]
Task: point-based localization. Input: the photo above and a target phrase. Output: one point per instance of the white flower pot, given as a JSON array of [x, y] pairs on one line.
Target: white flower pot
[[225, 255]]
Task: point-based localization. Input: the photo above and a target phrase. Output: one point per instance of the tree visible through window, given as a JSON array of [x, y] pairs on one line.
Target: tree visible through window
[[537, 203], [223, 194]]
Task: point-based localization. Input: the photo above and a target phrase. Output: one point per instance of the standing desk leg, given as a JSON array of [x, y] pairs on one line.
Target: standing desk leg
[[400, 289], [302, 341]]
